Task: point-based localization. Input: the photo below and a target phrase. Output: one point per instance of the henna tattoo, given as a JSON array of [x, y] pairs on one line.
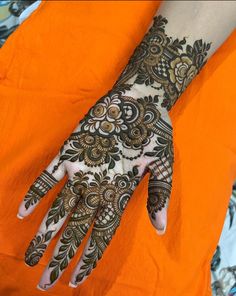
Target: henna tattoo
[[164, 63], [127, 133], [40, 187], [132, 124], [36, 248], [71, 239], [159, 186], [167, 65], [102, 196], [16, 7], [95, 251]]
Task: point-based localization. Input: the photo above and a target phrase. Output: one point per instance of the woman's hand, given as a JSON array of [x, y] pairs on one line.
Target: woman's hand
[[125, 135], [119, 140]]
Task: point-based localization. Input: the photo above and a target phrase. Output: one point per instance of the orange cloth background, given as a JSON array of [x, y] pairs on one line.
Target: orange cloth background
[[52, 69]]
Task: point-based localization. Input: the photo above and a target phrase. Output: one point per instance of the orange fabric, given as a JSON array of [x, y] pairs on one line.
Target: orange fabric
[[53, 68]]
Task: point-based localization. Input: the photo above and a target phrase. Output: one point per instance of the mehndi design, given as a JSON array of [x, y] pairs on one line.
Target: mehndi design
[[124, 136]]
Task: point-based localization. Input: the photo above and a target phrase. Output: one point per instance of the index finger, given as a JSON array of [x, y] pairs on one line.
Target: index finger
[[46, 181]]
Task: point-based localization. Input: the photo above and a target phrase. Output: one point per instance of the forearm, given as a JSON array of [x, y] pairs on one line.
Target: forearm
[[182, 37], [211, 21]]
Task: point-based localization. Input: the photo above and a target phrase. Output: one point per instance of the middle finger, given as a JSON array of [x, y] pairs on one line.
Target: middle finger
[[70, 240]]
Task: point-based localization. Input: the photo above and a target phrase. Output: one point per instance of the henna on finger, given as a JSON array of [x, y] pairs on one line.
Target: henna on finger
[[52, 223]]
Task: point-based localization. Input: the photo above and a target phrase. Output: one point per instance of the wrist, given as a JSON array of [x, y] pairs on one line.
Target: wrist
[[162, 65]]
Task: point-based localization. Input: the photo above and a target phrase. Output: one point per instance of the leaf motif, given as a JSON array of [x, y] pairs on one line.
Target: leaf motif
[[54, 275], [96, 176], [208, 46], [111, 164], [189, 50], [64, 264], [135, 170], [60, 256], [79, 277], [53, 264], [81, 157], [162, 141], [53, 210], [76, 145], [74, 158], [70, 151], [183, 41], [65, 157], [27, 204], [150, 153], [49, 221], [146, 82], [38, 239], [116, 157], [48, 235], [71, 253], [57, 210], [62, 212], [63, 248], [56, 219]]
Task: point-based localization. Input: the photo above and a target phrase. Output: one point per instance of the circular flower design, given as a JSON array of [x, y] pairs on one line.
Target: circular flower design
[[122, 182], [133, 112], [115, 196], [135, 136], [96, 150], [88, 141], [70, 202], [108, 193], [149, 52], [98, 111], [182, 72], [154, 52], [105, 117], [140, 116], [156, 202]]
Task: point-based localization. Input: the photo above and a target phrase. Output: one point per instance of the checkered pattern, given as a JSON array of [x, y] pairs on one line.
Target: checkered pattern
[[106, 215], [162, 68], [162, 173]]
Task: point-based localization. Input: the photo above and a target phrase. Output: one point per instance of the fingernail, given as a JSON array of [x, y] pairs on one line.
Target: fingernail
[[27, 264], [19, 216], [72, 285], [161, 231], [40, 288]]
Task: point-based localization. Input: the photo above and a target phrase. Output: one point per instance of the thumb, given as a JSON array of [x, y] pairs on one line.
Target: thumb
[[159, 189]]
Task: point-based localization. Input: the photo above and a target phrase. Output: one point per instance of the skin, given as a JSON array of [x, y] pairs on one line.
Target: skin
[[127, 134]]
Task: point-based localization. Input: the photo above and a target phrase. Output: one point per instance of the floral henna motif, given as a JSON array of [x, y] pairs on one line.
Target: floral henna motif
[[102, 196], [166, 64], [132, 126], [161, 62], [94, 150], [97, 246], [108, 219], [36, 248]]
